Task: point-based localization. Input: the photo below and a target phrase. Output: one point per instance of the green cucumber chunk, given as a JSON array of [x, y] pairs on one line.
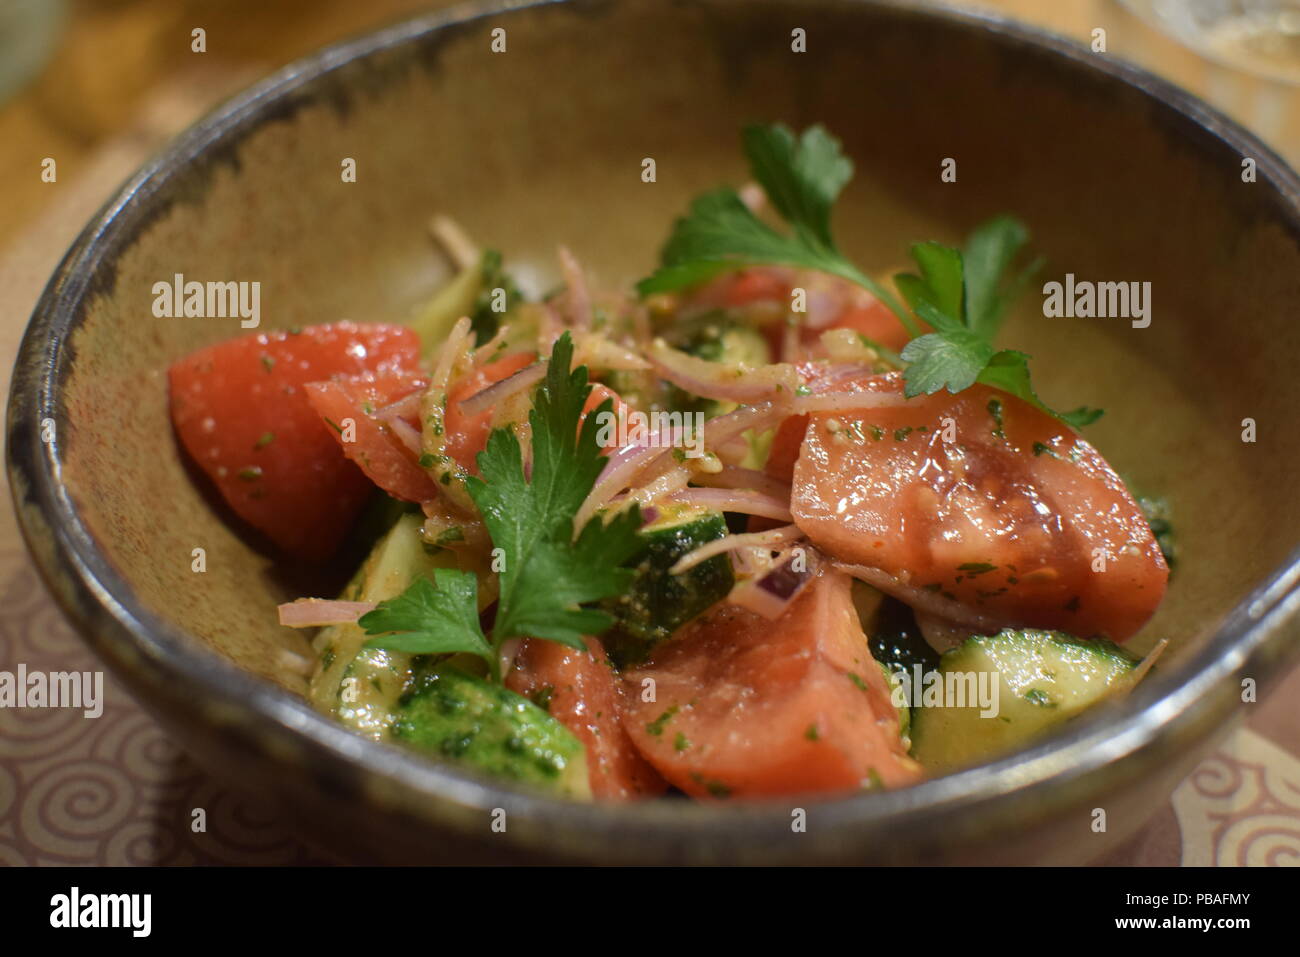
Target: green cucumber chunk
[[459, 718], [1043, 678], [360, 685], [658, 603]]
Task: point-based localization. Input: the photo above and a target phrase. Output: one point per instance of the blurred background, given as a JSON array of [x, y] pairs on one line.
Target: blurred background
[[98, 85]]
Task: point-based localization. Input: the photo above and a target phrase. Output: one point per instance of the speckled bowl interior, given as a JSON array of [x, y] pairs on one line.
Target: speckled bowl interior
[[1118, 177]]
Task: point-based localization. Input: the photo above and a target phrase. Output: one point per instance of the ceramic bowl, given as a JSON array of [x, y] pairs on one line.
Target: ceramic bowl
[[1119, 176]]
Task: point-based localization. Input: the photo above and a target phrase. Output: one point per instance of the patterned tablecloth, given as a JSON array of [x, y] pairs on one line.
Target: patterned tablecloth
[[115, 789]]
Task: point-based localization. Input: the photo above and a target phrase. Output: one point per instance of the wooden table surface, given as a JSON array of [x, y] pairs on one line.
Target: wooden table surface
[[121, 80]]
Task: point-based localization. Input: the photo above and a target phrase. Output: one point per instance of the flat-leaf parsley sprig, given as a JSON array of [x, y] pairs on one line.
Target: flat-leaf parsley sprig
[[961, 294], [548, 573]]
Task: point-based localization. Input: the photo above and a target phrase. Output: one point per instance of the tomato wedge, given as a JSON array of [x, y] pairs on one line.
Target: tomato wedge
[[348, 406], [984, 500], [580, 691], [747, 707], [241, 412]]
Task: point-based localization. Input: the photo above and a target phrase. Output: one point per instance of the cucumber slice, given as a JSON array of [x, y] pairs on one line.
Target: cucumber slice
[[1043, 679], [361, 686], [658, 603], [468, 720]]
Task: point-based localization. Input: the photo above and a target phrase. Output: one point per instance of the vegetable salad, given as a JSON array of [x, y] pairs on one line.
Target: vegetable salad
[[762, 525]]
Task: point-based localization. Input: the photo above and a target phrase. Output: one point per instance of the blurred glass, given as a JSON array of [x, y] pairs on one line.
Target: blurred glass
[[28, 29], [1260, 36]]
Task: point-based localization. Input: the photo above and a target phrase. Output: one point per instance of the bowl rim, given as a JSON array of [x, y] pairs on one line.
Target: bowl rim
[[116, 623]]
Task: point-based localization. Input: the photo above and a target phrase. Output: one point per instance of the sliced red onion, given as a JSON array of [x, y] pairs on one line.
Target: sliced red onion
[[824, 306], [579, 299], [665, 484], [940, 633], [847, 401], [732, 452], [768, 539], [771, 594], [406, 433], [596, 350], [745, 501], [492, 348], [721, 430], [835, 373], [791, 347], [510, 386], [733, 476], [407, 407], [316, 612], [549, 328], [931, 603], [720, 380], [509, 651], [620, 472], [1147, 663], [454, 241]]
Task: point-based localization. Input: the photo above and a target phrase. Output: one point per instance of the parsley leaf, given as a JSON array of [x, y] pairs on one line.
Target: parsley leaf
[[1008, 370], [962, 294], [429, 620], [548, 574], [802, 177], [988, 254]]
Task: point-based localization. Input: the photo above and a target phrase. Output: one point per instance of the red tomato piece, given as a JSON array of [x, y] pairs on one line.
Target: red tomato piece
[[983, 498], [241, 412], [369, 441], [582, 693], [747, 707]]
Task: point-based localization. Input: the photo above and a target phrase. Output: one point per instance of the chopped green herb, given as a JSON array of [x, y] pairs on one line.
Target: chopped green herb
[[264, 440], [681, 743], [250, 474], [542, 697], [715, 788], [995, 410], [1039, 697], [656, 727], [451, 534], [550, 570]]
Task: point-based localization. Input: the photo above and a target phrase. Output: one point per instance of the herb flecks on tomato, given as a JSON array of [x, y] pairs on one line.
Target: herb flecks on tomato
[[240, 410]]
